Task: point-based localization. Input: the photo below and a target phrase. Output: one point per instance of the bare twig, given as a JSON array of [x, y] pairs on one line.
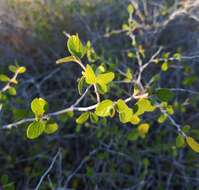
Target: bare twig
[[48, 170]]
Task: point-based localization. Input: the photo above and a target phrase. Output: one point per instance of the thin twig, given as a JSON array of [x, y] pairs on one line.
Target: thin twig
[[48, 170]]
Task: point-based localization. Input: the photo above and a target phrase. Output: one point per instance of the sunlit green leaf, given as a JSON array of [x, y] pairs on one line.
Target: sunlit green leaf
[[21, 70], [143, 129], [162, 118], [12, 91], [38, 106], [104, 108], [66, 60], [142, 106], [89, 75], [125, 113], [130, 8], [135, 119], [4, 78], [81, 84], [105, 78], [82, 118], [51, 128], [75, 46], [12, 68], [193, 144], [165, 66], [35, 129]]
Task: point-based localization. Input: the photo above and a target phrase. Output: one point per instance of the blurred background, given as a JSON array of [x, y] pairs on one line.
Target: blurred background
[[97, 156]]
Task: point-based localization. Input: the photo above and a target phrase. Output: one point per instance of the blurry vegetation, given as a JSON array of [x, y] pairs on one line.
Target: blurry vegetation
[[117, 111]]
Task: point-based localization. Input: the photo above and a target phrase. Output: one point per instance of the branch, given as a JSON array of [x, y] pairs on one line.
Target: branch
[[48, 170]]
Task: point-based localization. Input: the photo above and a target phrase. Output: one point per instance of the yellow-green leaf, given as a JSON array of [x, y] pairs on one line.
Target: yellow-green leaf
[[89, 75], [135, 119], [143, 129], [105, 78], [162, 118], [130, 8], [66, 60], [51, 128], [35, 129], [104, 108], [129, 76], [82, 118], [38, 106], [12, 91], [125, 113], [164, 66], [93, 117], [75, 46], [4, 78], [193, 144], [12, 68], [21, 70], [180, 142], [80, 85], [102, 88], [143, 105]]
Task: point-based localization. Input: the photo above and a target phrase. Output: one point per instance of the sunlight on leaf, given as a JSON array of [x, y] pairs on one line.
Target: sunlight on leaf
[[104, 108], [35, 129], [193, 144]]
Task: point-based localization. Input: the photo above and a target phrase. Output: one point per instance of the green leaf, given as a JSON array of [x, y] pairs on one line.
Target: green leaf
[[133, 135], [186, 128], [38, 106], [75, 46], [143, 129], [193, 144], [51, 128], [66, 60], [82, 118], [177, 56], [4, 179], [89, 75], [162, 118], [12, 68], [130, 9], [4, 78], [129, 76], [125, 113], [142, 106], [89, 171], [135, 119], [180, 141], [12, 91], [164, 94], [81, 84], [169, 110], [126, 27], [121, 106], [105, 78], [166, 55], [35, 129], [104, 108], [100, 69], [21, 70], [93, 117], [102, 88], [165, 66]]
